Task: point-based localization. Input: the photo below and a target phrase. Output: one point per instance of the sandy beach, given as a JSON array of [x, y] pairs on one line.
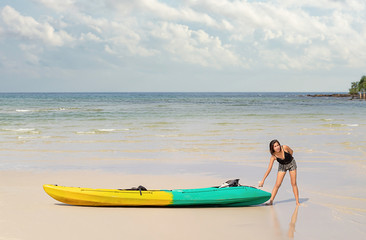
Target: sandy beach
[[28, 213]]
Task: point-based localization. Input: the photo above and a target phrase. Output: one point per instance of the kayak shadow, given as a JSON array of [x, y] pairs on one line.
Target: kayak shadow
[[161, 207]]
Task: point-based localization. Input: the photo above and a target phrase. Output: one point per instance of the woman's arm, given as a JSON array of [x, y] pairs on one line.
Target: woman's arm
[[288, 149], [268, 171]]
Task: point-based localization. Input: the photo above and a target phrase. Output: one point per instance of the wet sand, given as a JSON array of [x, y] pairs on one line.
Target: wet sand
[[27, 212]]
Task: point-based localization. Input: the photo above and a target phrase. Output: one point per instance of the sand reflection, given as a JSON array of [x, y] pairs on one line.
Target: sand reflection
[[292, 224], [291, 229]]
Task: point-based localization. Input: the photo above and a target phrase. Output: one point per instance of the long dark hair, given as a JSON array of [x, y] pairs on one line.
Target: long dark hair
[[271, 144]]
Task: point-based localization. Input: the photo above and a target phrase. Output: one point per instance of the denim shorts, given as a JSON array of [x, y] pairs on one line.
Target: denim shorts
[[290, 166]]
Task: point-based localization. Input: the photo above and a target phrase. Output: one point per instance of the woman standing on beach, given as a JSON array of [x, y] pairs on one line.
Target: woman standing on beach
[[283, 154]]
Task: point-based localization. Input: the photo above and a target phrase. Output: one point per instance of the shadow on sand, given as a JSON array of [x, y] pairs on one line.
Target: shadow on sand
[[301, 200]]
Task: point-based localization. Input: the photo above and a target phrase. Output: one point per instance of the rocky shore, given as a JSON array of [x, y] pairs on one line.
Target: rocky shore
[[340, 95], [330, 95]]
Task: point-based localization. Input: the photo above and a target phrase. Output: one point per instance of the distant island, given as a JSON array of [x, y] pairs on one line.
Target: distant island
[[330, 95], [357, 90]]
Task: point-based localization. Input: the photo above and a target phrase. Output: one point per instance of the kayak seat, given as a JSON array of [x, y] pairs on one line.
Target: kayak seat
[[139, 188], [230, 183]]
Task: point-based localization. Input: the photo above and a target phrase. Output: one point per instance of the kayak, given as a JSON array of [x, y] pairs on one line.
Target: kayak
[[213, 196]]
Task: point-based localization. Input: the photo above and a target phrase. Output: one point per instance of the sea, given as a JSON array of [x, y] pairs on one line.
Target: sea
[[159, 133]]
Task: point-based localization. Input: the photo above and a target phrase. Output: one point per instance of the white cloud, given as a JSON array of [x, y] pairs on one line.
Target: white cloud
[[108, 49], [288, 31], [90, 37], [121, 36], [288, 35], [164, 12], [195, 47], [28, 28], [239, 33], [31, 52], [58, 5], [341, 5]]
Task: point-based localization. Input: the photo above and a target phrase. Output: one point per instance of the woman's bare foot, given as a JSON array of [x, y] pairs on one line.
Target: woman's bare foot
[[270, 203]]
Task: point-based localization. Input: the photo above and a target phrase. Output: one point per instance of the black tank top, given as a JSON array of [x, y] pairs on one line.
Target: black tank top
[[287, 160]]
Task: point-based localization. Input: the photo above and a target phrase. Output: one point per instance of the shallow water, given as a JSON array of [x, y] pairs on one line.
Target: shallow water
[[115, 130]]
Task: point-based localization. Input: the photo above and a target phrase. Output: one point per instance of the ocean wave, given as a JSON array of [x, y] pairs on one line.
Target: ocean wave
[[102, 131], [333, 125], [21, 130], [106, 130], [85, 132], [33, 137], [339, 125], [110, 130], [23, 110], [167, 135], [50, 109]]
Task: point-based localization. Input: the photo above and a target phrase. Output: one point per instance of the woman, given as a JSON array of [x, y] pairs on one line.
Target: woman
[[283, 155]]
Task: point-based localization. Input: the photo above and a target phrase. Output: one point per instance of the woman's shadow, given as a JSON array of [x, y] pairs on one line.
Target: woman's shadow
[[301, 200]]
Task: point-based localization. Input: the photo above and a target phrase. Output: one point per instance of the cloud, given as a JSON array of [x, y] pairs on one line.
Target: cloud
[[328, 5], [287, 31], [31, 52], [164, 12], [58, 5], [28, 28], [144, 37], [90, 37], [109, 50], [288, 35], [195, 47]]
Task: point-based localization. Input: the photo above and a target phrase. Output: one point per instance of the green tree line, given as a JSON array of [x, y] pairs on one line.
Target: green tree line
[[359, 86]]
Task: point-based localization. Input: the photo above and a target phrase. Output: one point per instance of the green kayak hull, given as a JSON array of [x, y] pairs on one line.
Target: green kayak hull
[[230, 196]]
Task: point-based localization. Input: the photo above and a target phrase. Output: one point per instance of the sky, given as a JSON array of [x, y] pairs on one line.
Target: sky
[[181, 46]]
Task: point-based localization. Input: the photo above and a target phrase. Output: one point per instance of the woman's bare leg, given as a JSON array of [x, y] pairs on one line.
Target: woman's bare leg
[[280, 176], [294, 185]]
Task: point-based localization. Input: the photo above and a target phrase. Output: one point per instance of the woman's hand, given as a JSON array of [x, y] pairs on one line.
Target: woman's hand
[[260, 184]]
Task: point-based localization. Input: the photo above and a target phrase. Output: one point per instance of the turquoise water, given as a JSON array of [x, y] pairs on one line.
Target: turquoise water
[[175, 132]]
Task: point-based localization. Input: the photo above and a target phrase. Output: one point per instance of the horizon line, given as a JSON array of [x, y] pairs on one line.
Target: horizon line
[[174, 92]]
